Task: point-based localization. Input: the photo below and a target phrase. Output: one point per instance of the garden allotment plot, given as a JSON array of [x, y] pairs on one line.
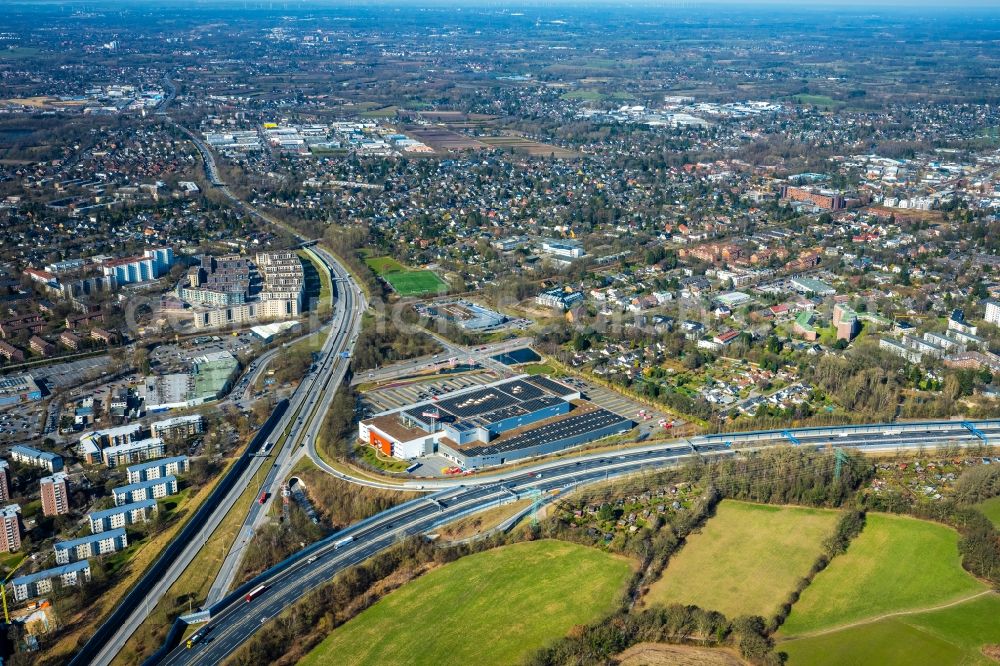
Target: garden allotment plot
[[404, 281]]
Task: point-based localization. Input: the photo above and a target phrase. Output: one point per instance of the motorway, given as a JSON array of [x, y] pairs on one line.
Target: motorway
[[302, 422], [234, 620], [311, 401], [315, 392]]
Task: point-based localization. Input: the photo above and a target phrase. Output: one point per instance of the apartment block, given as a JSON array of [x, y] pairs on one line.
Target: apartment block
[[145, 490], [27, 455], [158, 469], [92, 545], [55, 494], [133, 452], [10, 535], [4, 481], [43, 582], [121, 516]]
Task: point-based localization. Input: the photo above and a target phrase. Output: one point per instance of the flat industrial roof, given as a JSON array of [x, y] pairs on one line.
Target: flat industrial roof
[[497, 401], [552, 431]]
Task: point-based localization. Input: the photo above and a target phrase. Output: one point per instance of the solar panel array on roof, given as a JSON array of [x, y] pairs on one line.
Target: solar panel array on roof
[[521, 390], [463, 426], [555, 388], [551, 432], [490, 404], [540, 403], [417, 414], [508, 412], [476, 403]]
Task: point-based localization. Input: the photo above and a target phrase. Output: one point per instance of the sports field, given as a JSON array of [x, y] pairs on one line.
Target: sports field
[[950, 636], [991, 509], [495, 607], [416, 283], [895, 564], [404, 281], [746, 560]]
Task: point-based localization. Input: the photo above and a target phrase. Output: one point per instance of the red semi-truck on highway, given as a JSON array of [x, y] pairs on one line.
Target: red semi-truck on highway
[[255, 592]]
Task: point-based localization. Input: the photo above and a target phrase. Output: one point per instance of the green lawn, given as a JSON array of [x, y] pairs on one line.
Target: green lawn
[[495, 607], [991, 509], [539, 369], [416, 283], [588, 95], [824, 101], [370, 456], [897, 563], [384, 265], [746, 560], [404, 281], [938, 638], [384, 112]]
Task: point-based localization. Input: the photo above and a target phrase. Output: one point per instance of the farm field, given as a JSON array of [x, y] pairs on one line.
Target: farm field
[[441, 138], [404, 281], [991, 509], [896, 564], [746, 559], [588, 95], [822, 101], [952, 635], [533, 148], [499, 606]]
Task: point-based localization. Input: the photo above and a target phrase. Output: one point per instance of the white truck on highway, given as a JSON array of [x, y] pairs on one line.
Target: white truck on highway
[[342, 542]]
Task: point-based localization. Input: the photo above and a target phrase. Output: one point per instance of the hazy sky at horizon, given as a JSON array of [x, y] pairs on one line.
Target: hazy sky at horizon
[[518, 5]]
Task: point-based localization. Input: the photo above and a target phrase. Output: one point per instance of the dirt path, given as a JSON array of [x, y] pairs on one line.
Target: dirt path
[[662, 654], [876, 618]]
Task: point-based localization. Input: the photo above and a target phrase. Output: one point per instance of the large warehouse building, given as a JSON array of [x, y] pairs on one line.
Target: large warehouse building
[[493, 424]]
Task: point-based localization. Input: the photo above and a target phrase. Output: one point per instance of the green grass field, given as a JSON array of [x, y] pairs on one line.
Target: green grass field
[[588, 95], [822, 101], [495, 607], [746, 559], [991, 509], [896, 564], [404, 281], [938, 638], [416, 283], [384, 265]]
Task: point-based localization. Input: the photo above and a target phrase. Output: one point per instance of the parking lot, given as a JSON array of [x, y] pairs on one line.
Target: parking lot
[[167, 358], [72, 373], [22, 424], [393, 396], [649, 419]]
